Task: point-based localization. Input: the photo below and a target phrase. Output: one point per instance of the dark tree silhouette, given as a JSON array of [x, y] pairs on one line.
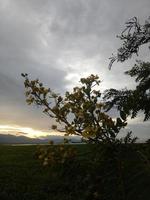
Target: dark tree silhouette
[[132, 101], [133, 36]]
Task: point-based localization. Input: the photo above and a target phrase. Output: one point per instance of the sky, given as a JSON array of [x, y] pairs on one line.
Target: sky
[[60, 41]]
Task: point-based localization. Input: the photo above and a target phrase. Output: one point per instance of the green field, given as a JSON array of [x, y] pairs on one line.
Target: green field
[[22, 177]]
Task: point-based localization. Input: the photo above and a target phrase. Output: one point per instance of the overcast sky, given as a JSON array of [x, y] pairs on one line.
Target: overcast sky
[[60, 41]]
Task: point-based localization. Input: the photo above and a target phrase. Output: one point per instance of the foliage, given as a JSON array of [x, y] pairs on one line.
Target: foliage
[[23, 177], [128, 139], [80, 112], [52, 156], [115, 172], [132, 101], [121, 169], [133, 36]]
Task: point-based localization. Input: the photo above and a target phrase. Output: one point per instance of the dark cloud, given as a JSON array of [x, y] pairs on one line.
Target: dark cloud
[[59, 42]]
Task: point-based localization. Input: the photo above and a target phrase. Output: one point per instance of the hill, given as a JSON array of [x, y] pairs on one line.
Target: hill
[[12, 139]]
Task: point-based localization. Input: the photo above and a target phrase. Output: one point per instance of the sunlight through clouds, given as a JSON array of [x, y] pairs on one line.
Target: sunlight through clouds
[[27, 131]]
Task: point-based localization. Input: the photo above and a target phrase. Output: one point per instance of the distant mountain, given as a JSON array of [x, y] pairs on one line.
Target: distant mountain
[[12, 139]]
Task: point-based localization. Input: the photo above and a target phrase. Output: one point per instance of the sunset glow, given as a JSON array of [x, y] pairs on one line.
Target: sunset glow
[[26, 131]]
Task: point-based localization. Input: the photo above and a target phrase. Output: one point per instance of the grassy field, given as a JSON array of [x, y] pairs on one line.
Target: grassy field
[[22, 177]]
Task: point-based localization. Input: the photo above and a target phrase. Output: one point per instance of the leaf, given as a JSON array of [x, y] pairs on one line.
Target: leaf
[[119, 122], [123, 115]]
